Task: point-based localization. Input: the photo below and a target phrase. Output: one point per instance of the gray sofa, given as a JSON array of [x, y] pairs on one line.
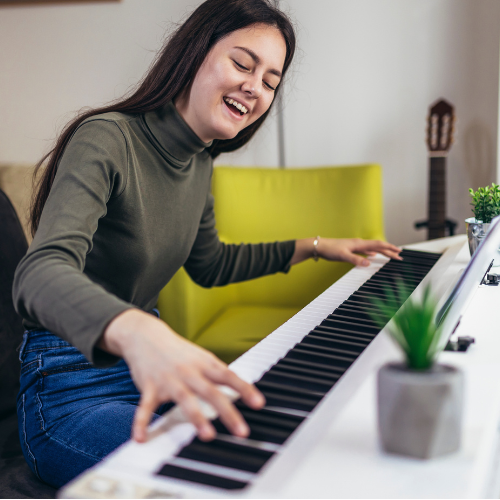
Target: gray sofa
[[16, 478]]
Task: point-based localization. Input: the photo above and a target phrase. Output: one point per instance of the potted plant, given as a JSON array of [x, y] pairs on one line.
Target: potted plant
[[485, 205], [419, 400]]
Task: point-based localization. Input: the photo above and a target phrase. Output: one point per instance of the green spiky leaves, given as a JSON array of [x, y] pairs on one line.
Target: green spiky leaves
[[486, 203], [414, 327]]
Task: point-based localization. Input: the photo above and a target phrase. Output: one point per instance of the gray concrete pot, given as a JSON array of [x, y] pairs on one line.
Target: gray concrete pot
[[476, 231], [420, 412]]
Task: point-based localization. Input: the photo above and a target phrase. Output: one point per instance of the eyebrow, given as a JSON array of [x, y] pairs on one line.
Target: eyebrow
[[257, 60]]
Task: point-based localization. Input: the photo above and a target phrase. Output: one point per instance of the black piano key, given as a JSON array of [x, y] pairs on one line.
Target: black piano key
[[232, 455], [283, 400], [258, 432], [396, 279], [296, 380], [423, 263], [194, 476], [412, 257], [344, 313], [326, 368], [424, 256], [377, 291], [336, 334], [367, 298], [420, 254], [320, 349], [374, 286], [300, 352], [384, 295], [366, 307], [423, 253], [362, 322], [365, 302], [269, 417], [397, 274], [360, 299], [347, 316], [411, 270], [404, 273], [286, 389], [354, 334], [357, 310], [335, 343], [370, 296], [351, 324], [265, 425], [379, 284], [294, 369], [359, 315]]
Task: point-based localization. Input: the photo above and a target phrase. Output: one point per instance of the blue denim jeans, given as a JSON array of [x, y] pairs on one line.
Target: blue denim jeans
[[71, 414]]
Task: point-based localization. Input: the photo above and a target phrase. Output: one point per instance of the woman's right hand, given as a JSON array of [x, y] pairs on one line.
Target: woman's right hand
[[166, 367]]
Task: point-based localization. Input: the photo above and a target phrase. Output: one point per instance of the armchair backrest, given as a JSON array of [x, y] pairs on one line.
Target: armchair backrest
[[256, 205]]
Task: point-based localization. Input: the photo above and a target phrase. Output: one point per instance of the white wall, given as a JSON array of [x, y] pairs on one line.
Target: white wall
[[59, 57], [366, 73]]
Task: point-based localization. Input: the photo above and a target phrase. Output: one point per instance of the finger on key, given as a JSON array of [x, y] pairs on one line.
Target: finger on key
[[229, 415], [189, 405], [147, 405], [249, 393]]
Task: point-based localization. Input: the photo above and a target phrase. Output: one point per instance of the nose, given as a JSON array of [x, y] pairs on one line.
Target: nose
[[252, 86]]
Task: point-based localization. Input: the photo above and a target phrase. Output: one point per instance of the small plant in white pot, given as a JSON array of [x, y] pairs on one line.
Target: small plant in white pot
[[485, 205], [419, 401]]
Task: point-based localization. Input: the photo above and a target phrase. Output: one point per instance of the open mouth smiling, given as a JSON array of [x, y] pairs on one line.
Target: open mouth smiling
[[235, 106]]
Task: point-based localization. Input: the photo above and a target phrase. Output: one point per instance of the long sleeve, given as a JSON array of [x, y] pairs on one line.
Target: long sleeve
[[50, 287], [213, 263]]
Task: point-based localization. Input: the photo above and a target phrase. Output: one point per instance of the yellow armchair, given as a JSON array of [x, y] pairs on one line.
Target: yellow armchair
[[254, 205]]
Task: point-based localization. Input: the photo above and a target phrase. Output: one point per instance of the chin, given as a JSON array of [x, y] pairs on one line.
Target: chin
[[224, 135]]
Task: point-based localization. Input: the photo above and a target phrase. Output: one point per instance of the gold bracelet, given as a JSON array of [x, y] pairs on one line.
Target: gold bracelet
[[315, 249]]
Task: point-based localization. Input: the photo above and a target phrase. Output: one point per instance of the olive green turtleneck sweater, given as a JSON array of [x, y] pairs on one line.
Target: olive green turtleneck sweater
[[129, 206]]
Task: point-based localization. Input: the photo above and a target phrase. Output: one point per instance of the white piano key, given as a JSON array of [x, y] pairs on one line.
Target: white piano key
[[251, 443]]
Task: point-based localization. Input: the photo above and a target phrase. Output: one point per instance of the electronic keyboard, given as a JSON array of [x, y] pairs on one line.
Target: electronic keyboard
[[307, 369]]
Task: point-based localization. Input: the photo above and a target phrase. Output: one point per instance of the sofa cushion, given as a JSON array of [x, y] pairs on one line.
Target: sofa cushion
[[13, 246], [16, 478]]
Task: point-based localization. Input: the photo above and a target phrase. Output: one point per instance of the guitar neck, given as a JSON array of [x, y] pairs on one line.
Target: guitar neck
[[437, 197]]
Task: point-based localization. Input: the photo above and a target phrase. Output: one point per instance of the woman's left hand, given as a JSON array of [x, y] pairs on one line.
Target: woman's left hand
[[345, 250]]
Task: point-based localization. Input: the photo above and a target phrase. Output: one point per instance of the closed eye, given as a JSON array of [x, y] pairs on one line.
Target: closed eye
[[240, 66], [246, 69]]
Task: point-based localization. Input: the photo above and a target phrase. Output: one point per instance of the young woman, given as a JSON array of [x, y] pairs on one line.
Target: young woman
[[123, 203]]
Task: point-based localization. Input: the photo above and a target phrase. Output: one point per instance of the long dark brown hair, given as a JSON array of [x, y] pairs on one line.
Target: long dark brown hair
[[172, 71]]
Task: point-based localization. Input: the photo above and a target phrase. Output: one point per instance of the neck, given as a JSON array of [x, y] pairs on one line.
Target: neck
[[181, 103]]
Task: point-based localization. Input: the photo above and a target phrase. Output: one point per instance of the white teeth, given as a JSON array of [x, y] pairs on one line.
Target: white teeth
[[236, 104]]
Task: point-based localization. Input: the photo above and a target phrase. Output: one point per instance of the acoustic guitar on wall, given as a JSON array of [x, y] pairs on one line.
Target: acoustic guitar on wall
[[440, 128]]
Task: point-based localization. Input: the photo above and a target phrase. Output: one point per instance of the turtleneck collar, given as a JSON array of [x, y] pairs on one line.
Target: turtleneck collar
[[173, 134]]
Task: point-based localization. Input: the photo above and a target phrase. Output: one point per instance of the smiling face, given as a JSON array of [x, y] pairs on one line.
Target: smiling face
[[235, 84]]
